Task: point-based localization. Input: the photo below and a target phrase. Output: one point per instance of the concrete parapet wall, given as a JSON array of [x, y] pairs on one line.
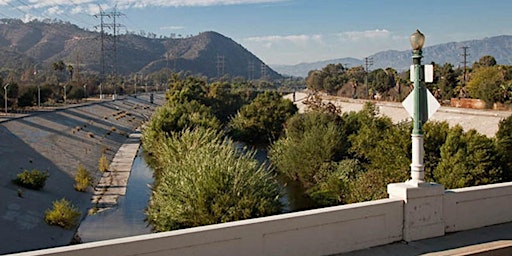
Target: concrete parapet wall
[[316, 232], [325, 231], [480, 206]]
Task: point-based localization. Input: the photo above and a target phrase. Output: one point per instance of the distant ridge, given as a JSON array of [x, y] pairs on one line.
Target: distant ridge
[[23, 45], [500, 47]]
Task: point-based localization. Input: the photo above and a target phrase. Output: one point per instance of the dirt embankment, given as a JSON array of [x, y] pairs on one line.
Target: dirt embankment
[[57, 142]]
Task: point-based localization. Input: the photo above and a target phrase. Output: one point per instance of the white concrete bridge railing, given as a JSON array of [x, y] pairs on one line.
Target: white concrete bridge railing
[[324, 231]]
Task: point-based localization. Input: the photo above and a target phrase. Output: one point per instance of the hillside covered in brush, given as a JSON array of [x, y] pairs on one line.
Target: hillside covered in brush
[[23, 45]]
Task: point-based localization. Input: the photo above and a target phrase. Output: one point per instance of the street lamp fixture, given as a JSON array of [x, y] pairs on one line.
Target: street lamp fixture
[[417, 40], [419, 110]]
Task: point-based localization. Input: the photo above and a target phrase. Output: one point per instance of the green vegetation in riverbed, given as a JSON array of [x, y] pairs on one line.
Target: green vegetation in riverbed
[[34, 179], [83, 179], [201, 177], [62, 214], [353, 157], [204, 179], [103, 164]]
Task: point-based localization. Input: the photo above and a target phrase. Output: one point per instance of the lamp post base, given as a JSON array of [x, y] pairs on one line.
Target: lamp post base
[[417, 165], [423, 209]]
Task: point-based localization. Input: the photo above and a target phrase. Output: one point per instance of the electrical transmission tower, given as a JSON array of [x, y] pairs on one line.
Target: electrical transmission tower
[[368, 61], [263, 71], [114, 27], [220, 66], [101, 16], [251, 71]]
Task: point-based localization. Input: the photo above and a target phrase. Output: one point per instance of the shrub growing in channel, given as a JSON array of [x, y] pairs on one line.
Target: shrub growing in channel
[[63, 214], [34, 179], [83, 179], [204, 179]]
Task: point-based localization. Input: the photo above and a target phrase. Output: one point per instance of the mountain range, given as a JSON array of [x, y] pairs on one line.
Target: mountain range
[[26, 45], [41, 43], [500, 47]]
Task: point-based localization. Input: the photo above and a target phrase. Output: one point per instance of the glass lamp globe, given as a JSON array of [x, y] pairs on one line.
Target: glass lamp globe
[[417, 40]]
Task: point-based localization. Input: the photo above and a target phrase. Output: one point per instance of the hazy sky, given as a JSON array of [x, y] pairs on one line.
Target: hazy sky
[[290, 31]]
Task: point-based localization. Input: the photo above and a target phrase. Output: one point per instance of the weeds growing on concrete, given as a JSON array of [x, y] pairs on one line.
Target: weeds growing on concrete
[[103, 164], [63, 214], [83, 179], [34, 179]]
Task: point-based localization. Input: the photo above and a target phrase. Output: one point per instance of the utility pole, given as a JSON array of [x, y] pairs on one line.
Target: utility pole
[[464, 55], [368, 61], [77, 69], [5, 97], [38, 87]]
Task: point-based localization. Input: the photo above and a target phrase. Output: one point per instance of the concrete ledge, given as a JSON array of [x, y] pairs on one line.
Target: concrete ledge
[[479, 206], [317, 232]]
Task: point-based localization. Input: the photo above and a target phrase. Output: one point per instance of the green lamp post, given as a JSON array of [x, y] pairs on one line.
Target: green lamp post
[[420, 110]]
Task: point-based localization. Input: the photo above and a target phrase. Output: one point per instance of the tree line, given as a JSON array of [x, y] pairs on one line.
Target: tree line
[[202, 143], [485, 80]]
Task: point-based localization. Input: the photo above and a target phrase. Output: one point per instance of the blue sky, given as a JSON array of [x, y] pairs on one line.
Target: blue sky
[[291, 31]]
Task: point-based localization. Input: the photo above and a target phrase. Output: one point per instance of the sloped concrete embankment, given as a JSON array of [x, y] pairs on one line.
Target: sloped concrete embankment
[[57, 142]]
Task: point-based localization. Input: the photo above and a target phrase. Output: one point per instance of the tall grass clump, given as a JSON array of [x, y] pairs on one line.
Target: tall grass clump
[[83, 179], [34, 179], [103, 164], [62, 214], [203, 179]]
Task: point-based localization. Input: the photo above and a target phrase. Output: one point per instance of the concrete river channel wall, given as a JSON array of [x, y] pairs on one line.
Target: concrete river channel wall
[[58, 140]]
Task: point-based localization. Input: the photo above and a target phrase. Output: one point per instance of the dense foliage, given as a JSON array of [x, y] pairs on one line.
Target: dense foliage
[[331, 157], [201, 176], [483, 80], [352, 157], [262, 120], [204, 179]]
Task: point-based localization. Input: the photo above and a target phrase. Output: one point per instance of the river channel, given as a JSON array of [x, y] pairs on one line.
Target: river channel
[[127, 218]]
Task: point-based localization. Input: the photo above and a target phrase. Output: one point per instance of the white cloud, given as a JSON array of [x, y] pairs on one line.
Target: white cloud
[[293, 49], [364, 35], [277, 39], [181, 3], [172, 28], [55, 10]]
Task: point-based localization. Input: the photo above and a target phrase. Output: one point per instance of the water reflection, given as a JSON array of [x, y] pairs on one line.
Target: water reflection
[[128, 218]]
